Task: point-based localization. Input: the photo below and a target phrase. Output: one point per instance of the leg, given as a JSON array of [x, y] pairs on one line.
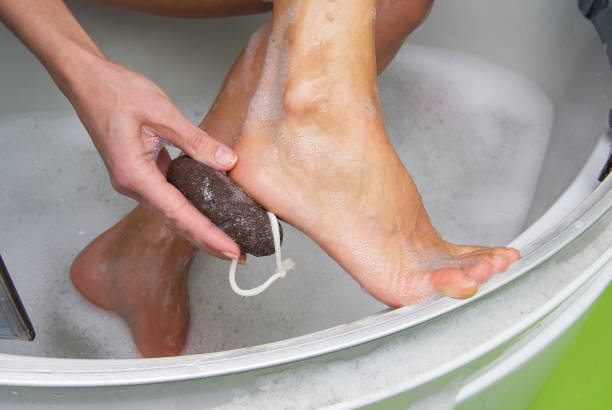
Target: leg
[[139, 262], [128, 244], [396, 19], [313, 149], [138, 268], [192, 8]]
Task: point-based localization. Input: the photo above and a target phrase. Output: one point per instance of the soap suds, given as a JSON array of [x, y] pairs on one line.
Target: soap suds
[[460, 125]]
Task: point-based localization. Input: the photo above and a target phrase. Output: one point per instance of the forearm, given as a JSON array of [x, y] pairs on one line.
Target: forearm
[[50, 31]]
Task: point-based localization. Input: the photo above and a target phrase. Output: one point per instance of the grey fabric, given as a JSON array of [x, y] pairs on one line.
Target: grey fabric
[[585, 6], [600, 14]]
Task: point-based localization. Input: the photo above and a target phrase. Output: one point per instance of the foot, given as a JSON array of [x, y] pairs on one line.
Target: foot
[[112, 271], [144, 281], [314, 150]]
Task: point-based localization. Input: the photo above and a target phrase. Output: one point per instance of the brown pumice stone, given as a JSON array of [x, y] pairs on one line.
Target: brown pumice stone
[[225, 204]]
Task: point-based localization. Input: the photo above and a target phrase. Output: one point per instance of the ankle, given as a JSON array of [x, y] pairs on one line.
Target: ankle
[[156, 233]]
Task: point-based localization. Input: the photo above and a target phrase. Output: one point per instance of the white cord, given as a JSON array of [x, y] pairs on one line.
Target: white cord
[[282, 266]]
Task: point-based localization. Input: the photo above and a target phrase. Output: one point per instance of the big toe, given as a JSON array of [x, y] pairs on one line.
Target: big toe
[[454, 282]]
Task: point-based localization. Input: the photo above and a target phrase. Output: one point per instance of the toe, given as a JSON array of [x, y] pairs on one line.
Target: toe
[[498, 262], [480, 271], [512, 254], [453, 282], [499, 258]]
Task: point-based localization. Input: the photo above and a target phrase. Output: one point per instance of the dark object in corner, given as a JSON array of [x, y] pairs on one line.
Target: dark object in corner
[[14, 320], [227, 205], [600, 14], [606, 169]]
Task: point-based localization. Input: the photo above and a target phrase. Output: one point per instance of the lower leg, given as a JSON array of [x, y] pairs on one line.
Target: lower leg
[[128, 270], [395, 20], [192, 8], [126, 252], [313, 150]]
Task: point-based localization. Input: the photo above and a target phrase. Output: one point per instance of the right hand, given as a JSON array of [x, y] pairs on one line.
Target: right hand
[[126, 114]]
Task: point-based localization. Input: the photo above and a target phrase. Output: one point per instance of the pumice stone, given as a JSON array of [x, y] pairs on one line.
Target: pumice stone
[[225, 204]]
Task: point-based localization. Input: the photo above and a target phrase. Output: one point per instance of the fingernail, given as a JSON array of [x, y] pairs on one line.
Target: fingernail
[[242, 259], [230, 255], [225, 156]]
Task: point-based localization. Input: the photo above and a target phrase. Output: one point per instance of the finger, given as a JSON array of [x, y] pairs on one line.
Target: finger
[[139, 177], [198, 244], [202, 246], [193, 141], [179, 213]]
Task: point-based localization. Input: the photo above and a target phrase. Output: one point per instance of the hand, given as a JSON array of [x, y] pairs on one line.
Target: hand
[[128, 117]]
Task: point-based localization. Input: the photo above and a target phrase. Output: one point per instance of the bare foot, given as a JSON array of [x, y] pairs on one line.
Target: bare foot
[[138, 269], [314, 151]]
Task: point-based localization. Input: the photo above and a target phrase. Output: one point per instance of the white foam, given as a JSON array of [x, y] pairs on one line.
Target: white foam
[[472, 134], [462, 126]]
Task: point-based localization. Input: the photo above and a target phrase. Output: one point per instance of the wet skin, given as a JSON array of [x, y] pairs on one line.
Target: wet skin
[[321, 161]]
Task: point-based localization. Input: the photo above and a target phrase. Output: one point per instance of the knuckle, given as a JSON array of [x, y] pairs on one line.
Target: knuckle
[[123, 181], [197, 142], [121, 184]]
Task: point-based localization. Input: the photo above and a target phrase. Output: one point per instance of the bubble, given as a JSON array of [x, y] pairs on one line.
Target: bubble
[[493, 118]]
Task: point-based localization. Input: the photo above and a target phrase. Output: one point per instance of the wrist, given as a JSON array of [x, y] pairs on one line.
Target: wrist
[[54, 36], [74, 66]]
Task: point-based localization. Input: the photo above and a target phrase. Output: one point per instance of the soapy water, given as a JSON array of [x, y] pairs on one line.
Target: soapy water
[[473, 136], [153, 141]]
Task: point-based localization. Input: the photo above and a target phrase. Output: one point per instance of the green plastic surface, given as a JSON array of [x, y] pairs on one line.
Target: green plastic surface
[[583, 377]]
